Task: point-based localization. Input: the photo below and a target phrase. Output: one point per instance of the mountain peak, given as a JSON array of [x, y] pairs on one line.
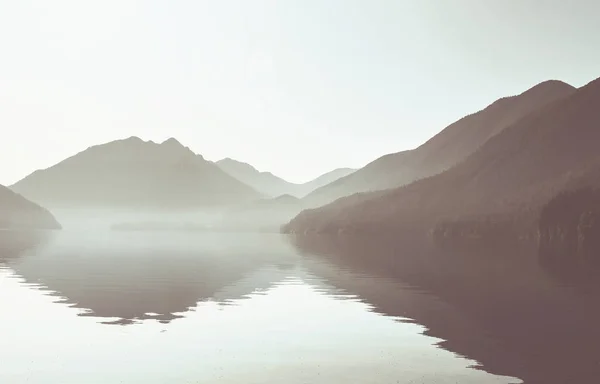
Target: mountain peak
[[128, 142], [174, 147], [173, 142], [134, 173], [550, 85], [133, 139], [545, 89]]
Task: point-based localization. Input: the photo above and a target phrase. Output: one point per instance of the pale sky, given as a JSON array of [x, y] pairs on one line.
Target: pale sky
[[293, 87]]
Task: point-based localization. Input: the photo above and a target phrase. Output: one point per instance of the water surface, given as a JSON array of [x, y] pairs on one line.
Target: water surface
[[112, 307]]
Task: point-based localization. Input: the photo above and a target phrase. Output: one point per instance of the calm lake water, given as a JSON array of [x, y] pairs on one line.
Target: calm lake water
[[176, 307]]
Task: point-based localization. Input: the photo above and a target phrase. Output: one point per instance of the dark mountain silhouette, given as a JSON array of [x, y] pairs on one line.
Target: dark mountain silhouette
[[519, 169], [133, 173], [569, 227], [20, 213], [447, 148], [271, 185], [528, 221]]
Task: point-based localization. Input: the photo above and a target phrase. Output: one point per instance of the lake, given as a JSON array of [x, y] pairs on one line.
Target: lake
[[107, 307]]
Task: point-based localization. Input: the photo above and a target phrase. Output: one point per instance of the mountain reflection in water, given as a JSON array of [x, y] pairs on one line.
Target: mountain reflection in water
[[504, 308], [141, 275], [332, 308]]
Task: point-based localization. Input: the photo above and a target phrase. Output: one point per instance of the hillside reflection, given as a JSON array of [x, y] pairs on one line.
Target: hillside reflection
[[501, 308], [504, 309], [137, 276]]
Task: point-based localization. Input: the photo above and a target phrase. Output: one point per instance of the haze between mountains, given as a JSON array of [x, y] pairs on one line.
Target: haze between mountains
[[513, 155]]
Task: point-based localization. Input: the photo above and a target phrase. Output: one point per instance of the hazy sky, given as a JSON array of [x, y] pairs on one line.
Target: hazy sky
[[294, 87]]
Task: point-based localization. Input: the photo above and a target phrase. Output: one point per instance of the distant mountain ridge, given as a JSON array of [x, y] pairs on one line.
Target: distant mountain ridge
[[517, 169], [447, 148], [264, 182], [274, 186], [132, 173], [16, 212]]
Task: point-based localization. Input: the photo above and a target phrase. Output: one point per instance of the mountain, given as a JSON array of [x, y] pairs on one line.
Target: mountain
[[518, 169], [264, 182], [447, 148], [271, 185], [18, 212], [132, 173], [325, 179]]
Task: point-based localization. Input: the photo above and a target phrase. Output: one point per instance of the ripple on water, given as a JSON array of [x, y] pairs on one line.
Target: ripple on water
[[252, 323]]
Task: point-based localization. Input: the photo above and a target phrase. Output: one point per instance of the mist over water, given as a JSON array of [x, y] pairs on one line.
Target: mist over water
[[98, 218], [192, 307], [261, 215]]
